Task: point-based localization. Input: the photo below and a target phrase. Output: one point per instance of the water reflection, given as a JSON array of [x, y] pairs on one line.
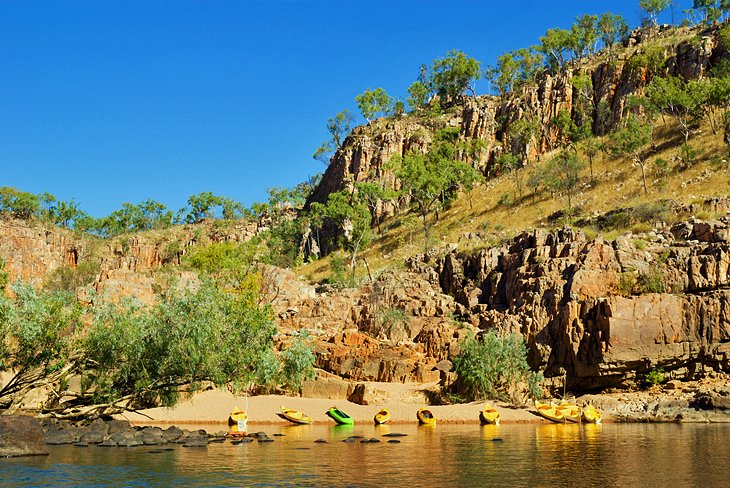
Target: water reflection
[[612, 455]]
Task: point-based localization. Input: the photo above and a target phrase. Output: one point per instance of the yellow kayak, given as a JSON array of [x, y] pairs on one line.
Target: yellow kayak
[[425, 417], [592, 415], [570, 410], [572, 413], [489, 415], [294, 416], [382, 417], [549, 412], [237, 421]]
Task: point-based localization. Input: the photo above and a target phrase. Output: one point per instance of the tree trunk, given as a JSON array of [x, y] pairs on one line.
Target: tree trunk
[[425, 232], [643, 176]]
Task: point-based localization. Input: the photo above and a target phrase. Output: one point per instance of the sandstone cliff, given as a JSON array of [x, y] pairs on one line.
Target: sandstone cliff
[[602, 312], [129, 265], [614, 79]]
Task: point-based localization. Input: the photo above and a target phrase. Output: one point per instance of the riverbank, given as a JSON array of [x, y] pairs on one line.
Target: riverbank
[[702, 401], [214, 406]]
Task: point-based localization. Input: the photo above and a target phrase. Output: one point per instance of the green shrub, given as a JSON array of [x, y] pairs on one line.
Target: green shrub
[[392, 322], [4, 278], [651, 282], [688, 155], [654, 377], [590, 233], [618, 220], [171, 251], [68, 279], [338, 277], [724, 36], [626, 283], [652, 211], [663, 167], [152, 355], [297, 362], [505, 200], [640, 244], [496, 367], [641, 228], [36, 335], [651, 57], [230, 264], [283, 241]]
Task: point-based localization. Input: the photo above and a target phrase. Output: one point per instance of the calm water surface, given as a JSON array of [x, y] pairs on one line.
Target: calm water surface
[[613, 455]]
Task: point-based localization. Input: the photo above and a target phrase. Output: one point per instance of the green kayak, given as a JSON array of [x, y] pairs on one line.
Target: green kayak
[[339, 416]]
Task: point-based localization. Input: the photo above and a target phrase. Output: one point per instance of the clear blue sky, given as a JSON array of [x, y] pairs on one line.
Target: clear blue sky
[[118, 101]]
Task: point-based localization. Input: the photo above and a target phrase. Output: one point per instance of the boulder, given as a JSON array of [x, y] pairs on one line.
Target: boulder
[[326, 385], [60, 435], [21, 436], [94, 433], [171, 434], [369, 395], [196, 441], [150, 436], [118, 425], [122, 439]]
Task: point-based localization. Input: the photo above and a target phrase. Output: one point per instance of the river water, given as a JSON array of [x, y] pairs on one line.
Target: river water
[[611, 455]]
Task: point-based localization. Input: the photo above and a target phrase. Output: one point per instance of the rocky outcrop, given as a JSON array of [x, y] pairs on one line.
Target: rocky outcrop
[[489, 119], [32, 252], [395, 329], [21, 436], [675, 401], [127, 265], [605, 313]]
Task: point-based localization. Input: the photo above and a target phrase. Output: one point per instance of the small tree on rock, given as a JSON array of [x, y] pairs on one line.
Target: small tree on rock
[[562, 174], [653, 8], [631, 141], [374, 102], [338, 127]]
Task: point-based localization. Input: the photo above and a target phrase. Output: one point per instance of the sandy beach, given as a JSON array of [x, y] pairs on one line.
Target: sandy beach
[[214, 406]]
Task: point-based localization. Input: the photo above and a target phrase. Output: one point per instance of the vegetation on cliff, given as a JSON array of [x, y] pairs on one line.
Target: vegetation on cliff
[[126, 356]]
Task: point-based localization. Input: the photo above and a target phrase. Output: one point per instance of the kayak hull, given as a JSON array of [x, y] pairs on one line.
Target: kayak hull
[[294, 416], [381, 417], [425, 417], [489, 416], [340, 417]]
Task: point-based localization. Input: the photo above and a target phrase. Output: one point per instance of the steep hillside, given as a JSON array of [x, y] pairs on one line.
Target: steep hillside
[[614, 79]]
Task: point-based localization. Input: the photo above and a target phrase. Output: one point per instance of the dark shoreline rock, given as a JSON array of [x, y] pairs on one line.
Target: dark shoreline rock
[[120, 433], [21, 436]]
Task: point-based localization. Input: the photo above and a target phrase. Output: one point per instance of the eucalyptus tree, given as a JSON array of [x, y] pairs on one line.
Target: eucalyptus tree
[[432, 178], [337, 127], [562, 173], [374, 102], [653, 8], [611, 29], [631, 140], [685, 101], [351, 217]]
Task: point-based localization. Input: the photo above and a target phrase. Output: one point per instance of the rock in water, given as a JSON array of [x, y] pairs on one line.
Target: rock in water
[[94, 433], [21, 436]]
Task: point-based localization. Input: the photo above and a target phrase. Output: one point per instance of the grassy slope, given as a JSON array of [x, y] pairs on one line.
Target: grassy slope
[[617, 184]]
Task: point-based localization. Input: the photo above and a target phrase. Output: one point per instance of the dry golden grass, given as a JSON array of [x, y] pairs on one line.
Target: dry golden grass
[[617, 184]]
